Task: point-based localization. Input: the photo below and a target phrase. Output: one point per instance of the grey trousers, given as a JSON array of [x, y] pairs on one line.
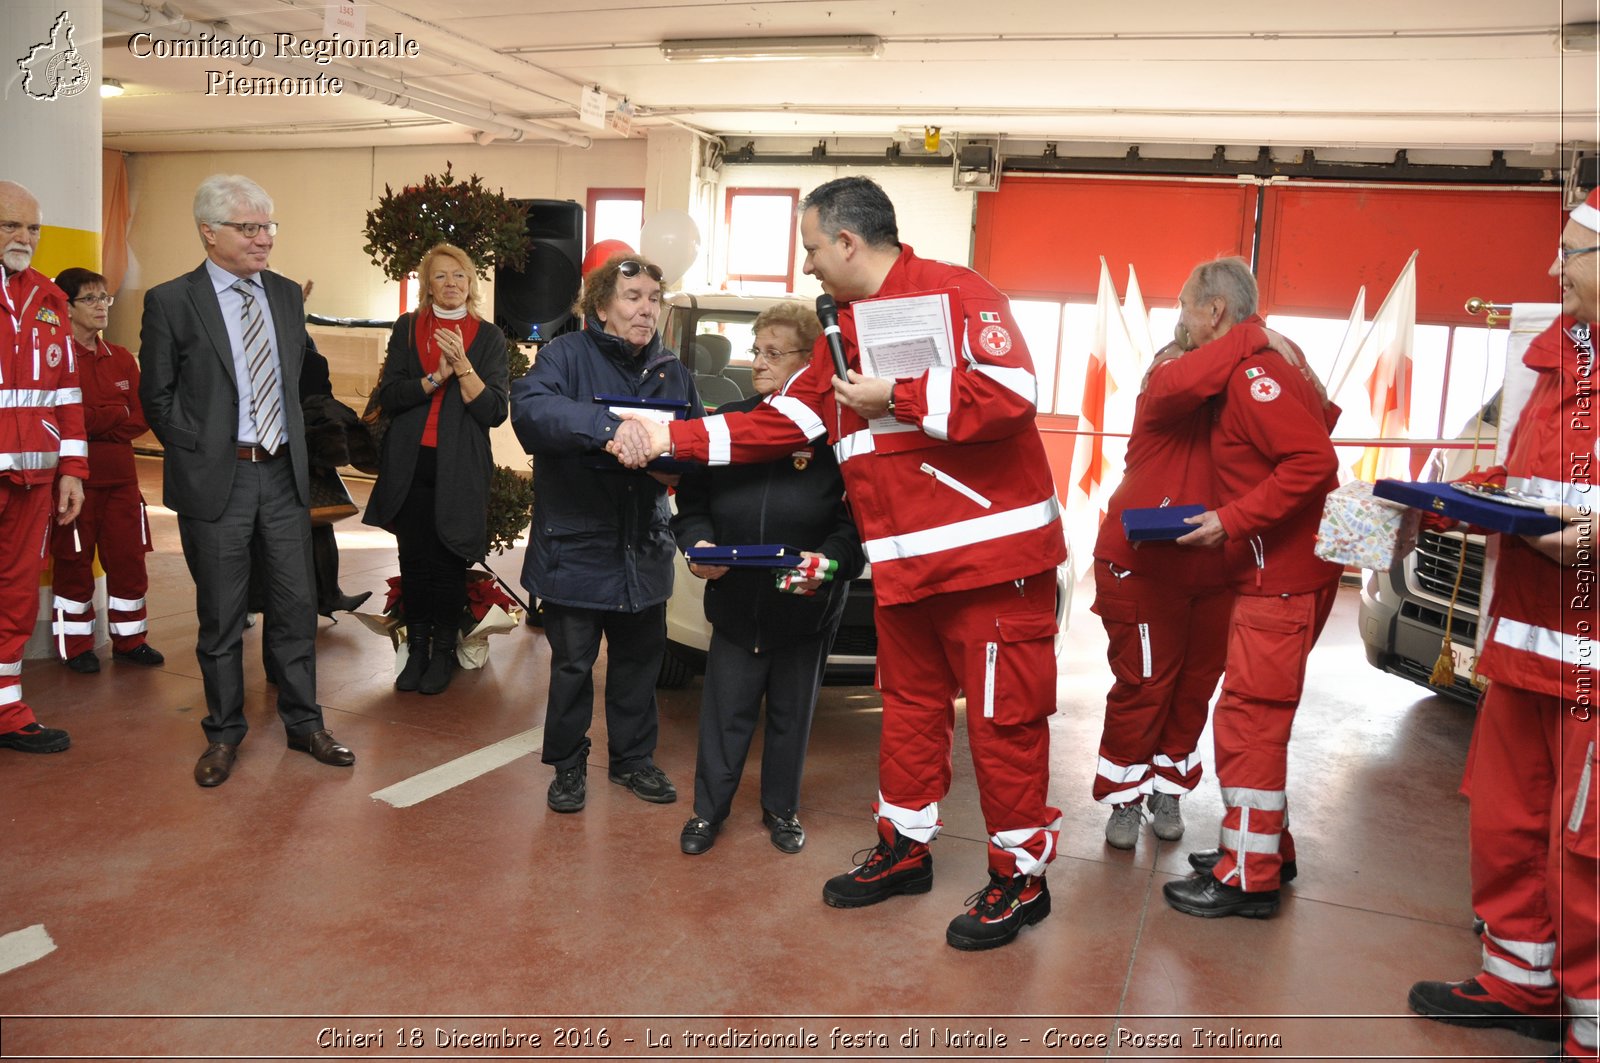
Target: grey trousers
[[262, 508]]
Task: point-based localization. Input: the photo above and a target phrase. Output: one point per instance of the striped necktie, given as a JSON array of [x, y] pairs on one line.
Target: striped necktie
[[263, 373]]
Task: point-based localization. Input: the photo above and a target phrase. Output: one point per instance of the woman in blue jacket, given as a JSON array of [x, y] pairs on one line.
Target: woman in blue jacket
[[600, 552]]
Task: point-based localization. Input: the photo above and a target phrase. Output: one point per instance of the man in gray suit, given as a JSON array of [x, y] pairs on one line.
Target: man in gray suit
[[220, 353]]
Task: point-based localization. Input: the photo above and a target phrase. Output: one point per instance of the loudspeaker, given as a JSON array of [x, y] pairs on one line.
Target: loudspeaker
[[540, 294]]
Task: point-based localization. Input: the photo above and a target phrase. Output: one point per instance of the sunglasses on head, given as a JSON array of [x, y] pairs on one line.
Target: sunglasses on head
[[630, 268]]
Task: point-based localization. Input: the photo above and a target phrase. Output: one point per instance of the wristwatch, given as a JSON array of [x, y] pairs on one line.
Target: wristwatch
[[891, 400]]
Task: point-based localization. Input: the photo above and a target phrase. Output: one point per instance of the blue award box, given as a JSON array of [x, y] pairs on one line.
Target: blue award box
[[1514, 518], [1158, 523], [758, 556]]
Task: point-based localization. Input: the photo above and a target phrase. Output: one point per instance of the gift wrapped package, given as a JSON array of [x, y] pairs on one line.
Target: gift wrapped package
[[1364, 531]]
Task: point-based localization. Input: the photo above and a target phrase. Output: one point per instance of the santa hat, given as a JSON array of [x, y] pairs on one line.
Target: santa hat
[[1587, 213]]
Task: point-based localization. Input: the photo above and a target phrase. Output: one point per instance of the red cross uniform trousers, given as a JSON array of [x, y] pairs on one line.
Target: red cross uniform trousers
[[113, 519], [1165, 609]]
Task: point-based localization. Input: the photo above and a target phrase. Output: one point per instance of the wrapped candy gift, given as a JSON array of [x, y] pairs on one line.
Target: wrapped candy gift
[[1364, 531]]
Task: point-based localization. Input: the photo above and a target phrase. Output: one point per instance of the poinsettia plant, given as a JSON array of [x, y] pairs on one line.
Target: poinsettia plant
[[442, 209]]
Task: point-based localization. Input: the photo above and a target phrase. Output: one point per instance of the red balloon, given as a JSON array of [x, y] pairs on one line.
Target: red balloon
[[601, 252]]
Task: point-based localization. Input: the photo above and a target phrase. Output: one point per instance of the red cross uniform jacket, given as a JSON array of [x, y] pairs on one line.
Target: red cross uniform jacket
[[1544, 615], [1271, 453], [112, 416], [41, 408], [1168, 463], [964, 501]]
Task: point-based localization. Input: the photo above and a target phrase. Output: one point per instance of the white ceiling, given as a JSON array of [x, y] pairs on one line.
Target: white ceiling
[[1380, 74]]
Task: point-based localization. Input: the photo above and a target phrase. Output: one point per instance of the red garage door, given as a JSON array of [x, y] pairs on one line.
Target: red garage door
[[1319, 244], [1039, 235]]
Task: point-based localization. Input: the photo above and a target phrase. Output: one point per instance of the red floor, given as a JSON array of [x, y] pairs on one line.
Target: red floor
[[289, 914]]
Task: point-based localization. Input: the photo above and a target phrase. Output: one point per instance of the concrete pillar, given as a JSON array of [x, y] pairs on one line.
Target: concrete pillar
[[672, 181], [50, 110]]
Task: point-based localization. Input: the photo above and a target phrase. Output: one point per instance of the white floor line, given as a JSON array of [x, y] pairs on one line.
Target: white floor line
[[22, 947], [436, 781]]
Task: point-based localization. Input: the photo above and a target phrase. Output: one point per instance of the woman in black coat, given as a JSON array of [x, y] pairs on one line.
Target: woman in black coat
[[444, 385], [766, 642]]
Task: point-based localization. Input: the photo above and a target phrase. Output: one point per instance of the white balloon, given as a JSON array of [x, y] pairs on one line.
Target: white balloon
[[671, 240]]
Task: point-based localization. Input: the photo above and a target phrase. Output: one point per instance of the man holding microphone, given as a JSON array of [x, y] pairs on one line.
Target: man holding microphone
[[958, 515]]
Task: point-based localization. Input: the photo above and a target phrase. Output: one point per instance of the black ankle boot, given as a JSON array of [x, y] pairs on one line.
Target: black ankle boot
[[418, 635], [442, 665]]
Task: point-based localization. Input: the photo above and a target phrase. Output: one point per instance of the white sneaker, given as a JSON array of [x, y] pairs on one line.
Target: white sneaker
[[1167, 818], [1122, 829]]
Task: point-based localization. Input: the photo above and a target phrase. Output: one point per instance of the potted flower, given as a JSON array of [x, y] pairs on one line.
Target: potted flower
[[490, 228]]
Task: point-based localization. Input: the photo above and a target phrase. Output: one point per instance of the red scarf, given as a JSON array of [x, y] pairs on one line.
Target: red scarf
[[427, 325]]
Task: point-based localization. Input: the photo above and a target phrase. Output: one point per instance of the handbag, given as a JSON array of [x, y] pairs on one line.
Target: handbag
[[330, 498]]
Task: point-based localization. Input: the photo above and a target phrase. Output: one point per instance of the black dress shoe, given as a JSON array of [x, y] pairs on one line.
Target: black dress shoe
[[1205, 896], [1206, 859], [787, 834], [85, 663], [215, 764], [323, 747], [144, 655], [698, 836]]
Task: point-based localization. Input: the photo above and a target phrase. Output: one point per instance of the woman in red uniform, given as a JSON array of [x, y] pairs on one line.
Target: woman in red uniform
[[1532, 766], [1165, 609], [113, 517]]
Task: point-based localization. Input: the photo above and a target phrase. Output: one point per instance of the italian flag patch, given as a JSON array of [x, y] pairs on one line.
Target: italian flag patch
[[1251, 374], [989, 317]]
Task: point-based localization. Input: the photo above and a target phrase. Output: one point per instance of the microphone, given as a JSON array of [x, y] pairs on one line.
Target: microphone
[[828, 314]]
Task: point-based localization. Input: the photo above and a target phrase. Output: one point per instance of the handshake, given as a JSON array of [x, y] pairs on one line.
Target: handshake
[[639, 440]]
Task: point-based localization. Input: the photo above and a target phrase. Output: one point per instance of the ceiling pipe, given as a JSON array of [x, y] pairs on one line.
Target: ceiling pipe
[[368, 85]]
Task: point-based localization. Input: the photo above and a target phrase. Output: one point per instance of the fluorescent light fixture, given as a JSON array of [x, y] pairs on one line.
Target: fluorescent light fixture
[[111, 87], [724, 49]]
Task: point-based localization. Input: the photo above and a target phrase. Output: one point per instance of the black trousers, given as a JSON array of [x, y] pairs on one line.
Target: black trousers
[[634, 645], [433, 580], [263, 512], [736, 681]]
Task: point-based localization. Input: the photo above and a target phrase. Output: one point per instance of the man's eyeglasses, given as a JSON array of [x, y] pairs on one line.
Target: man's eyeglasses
[[12, 228], [772, 354], [630, 268], [96, 300], [251, 229], [1567, 253]]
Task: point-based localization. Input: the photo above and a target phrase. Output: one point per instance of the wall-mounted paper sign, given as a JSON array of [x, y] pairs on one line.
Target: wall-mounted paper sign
[[592, 107], [347, 20], [622, 119]]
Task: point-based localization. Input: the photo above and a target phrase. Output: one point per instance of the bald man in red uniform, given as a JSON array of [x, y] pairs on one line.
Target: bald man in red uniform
[[43, 454]]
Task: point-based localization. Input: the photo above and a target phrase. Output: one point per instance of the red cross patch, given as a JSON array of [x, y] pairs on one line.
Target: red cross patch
[[1265, 389], [995, 339], [52, 355]]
